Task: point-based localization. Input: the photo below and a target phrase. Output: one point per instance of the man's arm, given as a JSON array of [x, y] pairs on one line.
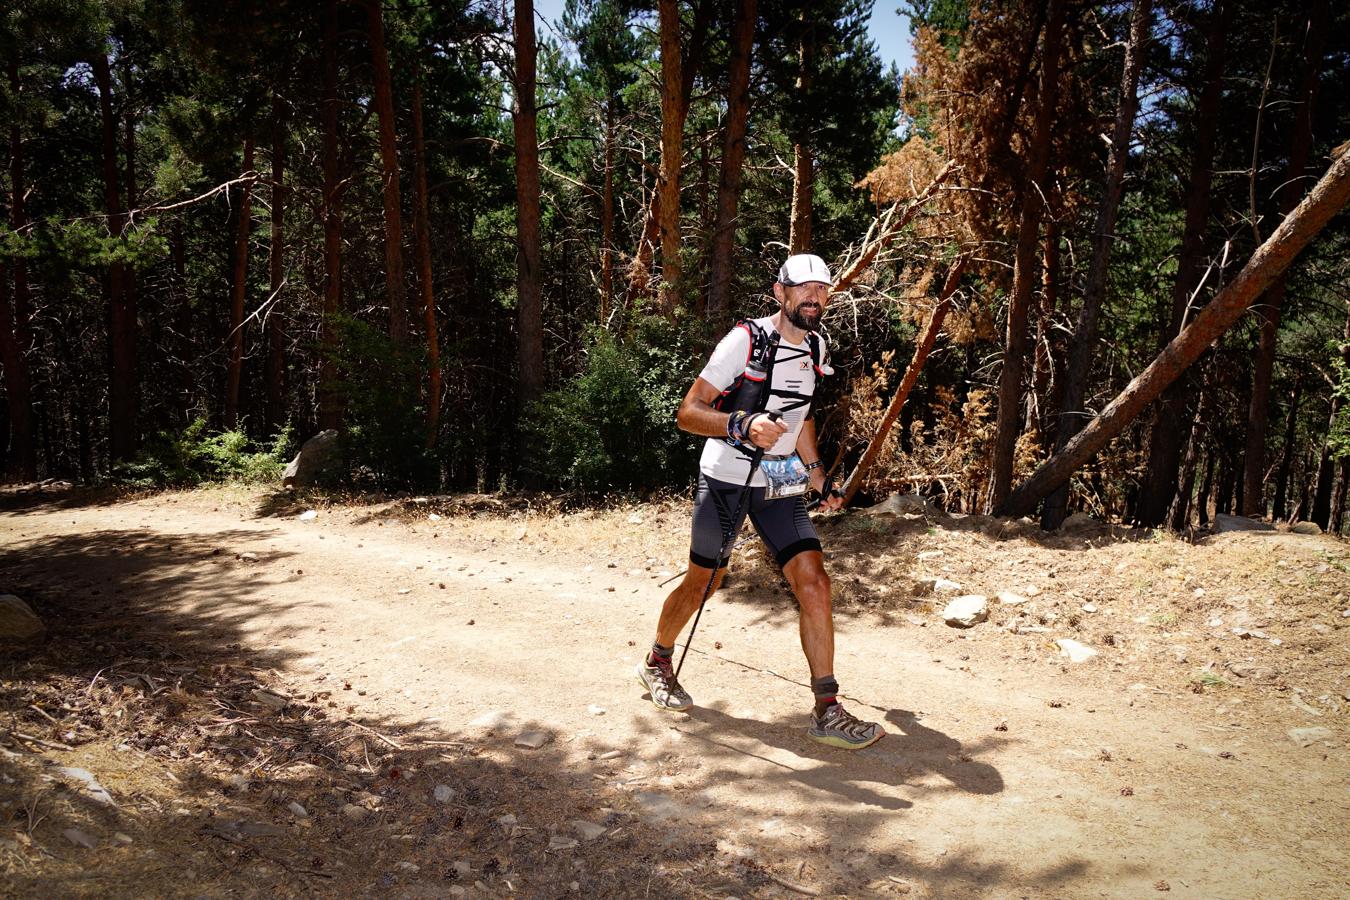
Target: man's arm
[[697, 416], [810, 453]]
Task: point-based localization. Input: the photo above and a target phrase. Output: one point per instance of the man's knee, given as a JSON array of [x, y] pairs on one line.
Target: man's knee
[[810, 583]]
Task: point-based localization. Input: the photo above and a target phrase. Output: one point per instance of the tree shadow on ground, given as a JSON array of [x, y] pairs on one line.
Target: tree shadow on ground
[[19, 500]]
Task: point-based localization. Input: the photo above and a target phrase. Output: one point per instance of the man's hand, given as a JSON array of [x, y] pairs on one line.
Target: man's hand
[[829, 499], [765, 431]]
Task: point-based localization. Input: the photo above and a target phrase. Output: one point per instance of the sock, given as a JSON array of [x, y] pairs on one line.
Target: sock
[[657, 650], [826, 690]]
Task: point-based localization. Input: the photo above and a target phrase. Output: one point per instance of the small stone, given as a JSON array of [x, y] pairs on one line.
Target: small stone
[[81, 838], [930, 554], [1241, 670], [434, 517], [355, 813], [1089, 607], [587, 831], [271, 699], [247, 557], [307, 515], [507, 821], [944, 586], [967, 611], [407, 866], [461, 868], [18, 622], [533, 740], [1306, 528], [297, 810], [1306, 737], [558, 843], [1008, 598], [91, 785], [122, 838], [405, 590], [1075, 651], [443, 793], [635, 519], [611, 754], [596, 710]]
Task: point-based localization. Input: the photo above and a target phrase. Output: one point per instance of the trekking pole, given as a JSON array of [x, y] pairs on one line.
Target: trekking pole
[[755, 404]]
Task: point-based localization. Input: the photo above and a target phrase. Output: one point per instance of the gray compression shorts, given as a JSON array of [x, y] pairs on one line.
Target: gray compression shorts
[[783, 525]]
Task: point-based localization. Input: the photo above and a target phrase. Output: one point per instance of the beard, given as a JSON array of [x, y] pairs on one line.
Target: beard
[[806, 317]]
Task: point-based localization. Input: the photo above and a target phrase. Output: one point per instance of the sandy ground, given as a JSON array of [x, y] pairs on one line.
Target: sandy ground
[[1007, 771]]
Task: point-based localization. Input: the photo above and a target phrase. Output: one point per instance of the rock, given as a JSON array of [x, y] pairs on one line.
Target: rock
[[308, 515], [271, 699], [297, 810], [81, 838], [444, 793], [558, 843], [1305, 528], [315, 460], [897, 505], [1089, 607], [587, 831], [596, 710], [355, 813], [611, 754], [1080, 521], [943, 586], [1241, 670], [494, 720], [121, 838], [247, 556], [91, 785], [507, 821], [1075, 651], [967, 611], [18, 622], [1008, 598], [408, 866], [1306, 737], [930, 554], [533, 740], [1224, 523]]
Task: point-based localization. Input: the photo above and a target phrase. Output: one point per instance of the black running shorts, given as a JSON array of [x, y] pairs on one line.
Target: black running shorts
[[783, 525]]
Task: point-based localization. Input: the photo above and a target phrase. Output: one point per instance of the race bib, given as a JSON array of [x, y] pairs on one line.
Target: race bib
[[786, 477]]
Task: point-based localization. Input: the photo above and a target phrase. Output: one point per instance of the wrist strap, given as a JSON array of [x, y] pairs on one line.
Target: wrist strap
[[811, 467]]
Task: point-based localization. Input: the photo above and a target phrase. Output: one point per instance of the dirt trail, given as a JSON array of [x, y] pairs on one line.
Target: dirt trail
[[1005, 772]]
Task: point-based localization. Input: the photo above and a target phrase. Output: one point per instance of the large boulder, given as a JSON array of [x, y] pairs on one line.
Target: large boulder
[[1305, 528], [1224, 523], [900, 505], [315, 460], [18, 622]]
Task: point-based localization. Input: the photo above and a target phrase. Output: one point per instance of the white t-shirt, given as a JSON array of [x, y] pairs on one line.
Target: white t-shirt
[[793, 383]]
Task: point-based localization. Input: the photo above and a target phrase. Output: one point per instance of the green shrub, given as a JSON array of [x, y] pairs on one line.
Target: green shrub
[[192, 456], [612, 427]]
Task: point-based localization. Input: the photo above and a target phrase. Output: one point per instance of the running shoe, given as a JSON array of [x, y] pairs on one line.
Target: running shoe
[[839, 728], [659, 680]]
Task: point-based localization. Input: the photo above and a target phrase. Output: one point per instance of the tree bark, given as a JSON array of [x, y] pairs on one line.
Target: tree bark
[[921, 350], [1179, 513], [1327, 197], [123, 402], [607, 218], [394, 288], [1071, 412], [423, 226], [1165, 437], [803, 159], [330, 397], [238, 290], [1024, 266], [723, 248], [15, 313], [673, 111], [1287, 460], [1269, 311], [274, 409], [529, 303], [1342, 491]]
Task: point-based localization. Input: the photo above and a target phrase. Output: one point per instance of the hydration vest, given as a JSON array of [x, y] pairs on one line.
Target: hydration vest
[[737, 394]]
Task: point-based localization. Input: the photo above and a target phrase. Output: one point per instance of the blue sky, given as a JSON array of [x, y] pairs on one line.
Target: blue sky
[[889, 29]]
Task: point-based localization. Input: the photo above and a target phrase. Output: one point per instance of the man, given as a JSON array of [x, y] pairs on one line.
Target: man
[[790, 462]]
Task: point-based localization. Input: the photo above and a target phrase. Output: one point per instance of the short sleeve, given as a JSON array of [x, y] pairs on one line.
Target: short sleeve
[[728, 359]]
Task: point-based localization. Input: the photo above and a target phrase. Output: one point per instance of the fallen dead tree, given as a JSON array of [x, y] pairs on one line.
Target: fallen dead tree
[[1327, 197]]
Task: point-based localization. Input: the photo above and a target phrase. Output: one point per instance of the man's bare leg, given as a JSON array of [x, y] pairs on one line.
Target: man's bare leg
[[805, 573], [683, 602]]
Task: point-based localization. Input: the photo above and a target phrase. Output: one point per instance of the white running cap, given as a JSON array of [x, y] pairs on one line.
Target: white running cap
[[804, 268]]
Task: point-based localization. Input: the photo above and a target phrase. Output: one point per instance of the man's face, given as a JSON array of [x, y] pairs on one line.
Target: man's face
[[804, 304]]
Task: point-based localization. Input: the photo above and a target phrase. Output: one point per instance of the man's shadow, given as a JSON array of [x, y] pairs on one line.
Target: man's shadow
[[905, 754]]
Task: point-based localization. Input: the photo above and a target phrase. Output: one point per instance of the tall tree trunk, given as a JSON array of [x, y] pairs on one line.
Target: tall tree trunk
[[394, 288], [275, 406], [803, 159], [238, 290], [1206, 489], [529, 303], [1269, 311], [330, 397], [1072, 416], [123, 404], [1048, 367], [607, 217], [1327, 198], [1325, 476], [733, 161], [1287, 460], [1179, 513], [1342, 492], [15, 336], [1024, 266], [1165, 437], [673, 111], [423, 226]]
